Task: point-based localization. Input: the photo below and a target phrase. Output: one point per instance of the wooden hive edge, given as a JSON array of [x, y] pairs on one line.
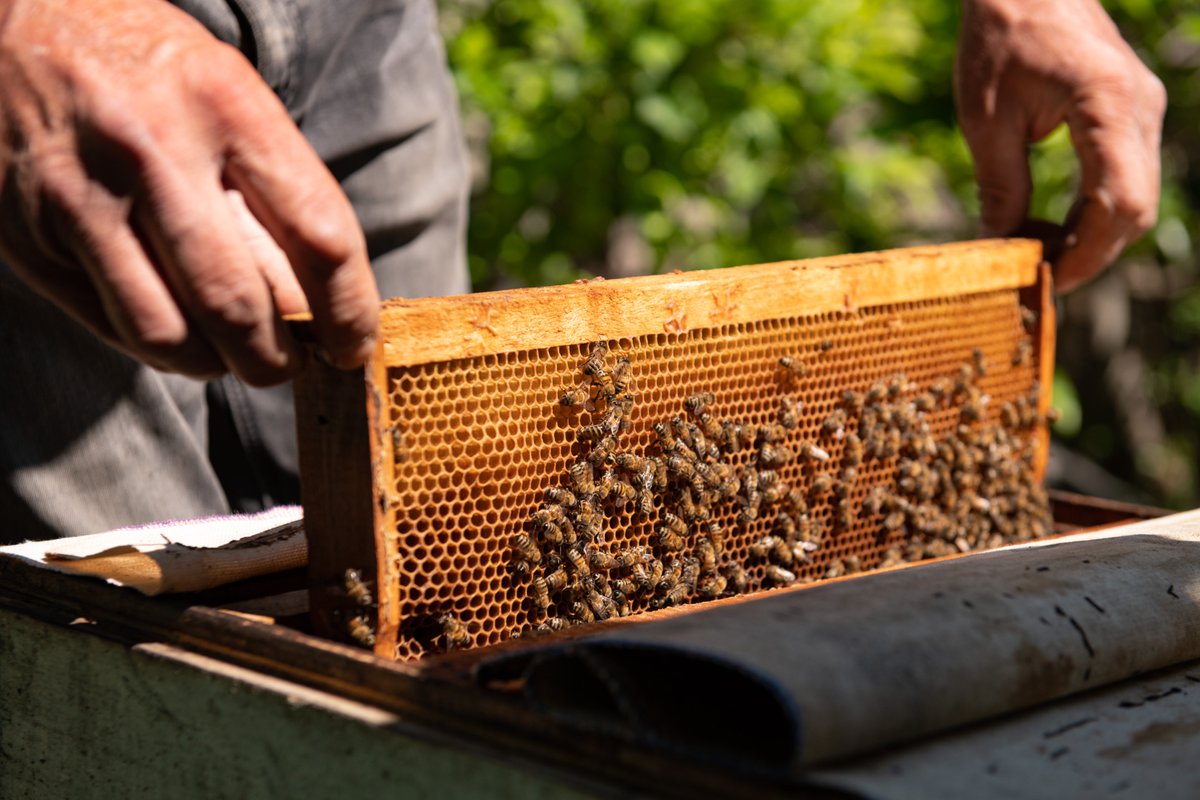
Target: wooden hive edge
[[445, 328]]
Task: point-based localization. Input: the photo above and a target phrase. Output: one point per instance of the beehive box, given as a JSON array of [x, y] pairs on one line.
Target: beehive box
[[890, 406]]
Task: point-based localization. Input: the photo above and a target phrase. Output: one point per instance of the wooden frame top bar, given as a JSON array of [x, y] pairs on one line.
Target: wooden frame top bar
[[445, 328]]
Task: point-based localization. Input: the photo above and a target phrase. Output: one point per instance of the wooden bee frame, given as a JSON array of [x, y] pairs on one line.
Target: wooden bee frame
[[421, 469]]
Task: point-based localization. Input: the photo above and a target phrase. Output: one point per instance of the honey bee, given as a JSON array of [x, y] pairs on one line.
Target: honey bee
[[773, 491], [399, 452], [696, 404], [596, 432], [889, 444], [836, 569], [1029, 319], [671, 568], [706, 552], [1053, 415], [590, 525], [789, 412], [735, 577], [553, 625], [772, 548], [356, 588], [540, 594], [669, 540], [622, 493], [556, 581], [666, 437], [577, 561], [620, 603], [822, 483], [673, 597], [361, 630], [814, 453], [673, 523], [625, 586], [893, 521], [771, 433], [574, 398], [778, 575], [711, 585], [835, 422], [595, 361], [853, 402], [691, 510], [551, 532], [852, 453], [849, 480], [801, 551], [661, 476], [825, 346], [795, 366], [581, 478], [1023, 354], [876, 393], [560, 496], [633, 463], [978, 361], [580, 611], [681, 466], [601, 605], [602, 560], [753, 498], [525, 550], [603, 452], [642, 578], [620, 375], [549, 513], [774, 455], [844, 515], [964, 379]]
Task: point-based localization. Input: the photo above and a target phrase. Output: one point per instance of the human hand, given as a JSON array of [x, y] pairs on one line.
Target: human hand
[[1023, 68], [129, 137]]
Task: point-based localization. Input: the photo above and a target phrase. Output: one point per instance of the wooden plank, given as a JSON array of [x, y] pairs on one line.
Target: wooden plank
[[1040, 298], [336, 427], [444, 328]]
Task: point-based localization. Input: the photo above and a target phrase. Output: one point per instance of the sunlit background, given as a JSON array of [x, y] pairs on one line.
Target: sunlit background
[[621, 137]]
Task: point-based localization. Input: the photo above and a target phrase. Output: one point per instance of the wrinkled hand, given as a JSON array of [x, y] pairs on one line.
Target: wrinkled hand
[[1023, 68], [155, 188]]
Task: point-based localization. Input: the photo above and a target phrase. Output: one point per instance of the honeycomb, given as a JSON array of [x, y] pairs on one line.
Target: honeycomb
[[475, 443]]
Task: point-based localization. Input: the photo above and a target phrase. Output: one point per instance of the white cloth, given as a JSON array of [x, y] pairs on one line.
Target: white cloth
[[179, 555]]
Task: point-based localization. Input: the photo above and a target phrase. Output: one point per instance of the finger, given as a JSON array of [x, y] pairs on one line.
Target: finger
[[997, 134], [296, 199], [272, 262], [199, 244], [1002, 175], [143, 317], [1118, 199], [321, 237]]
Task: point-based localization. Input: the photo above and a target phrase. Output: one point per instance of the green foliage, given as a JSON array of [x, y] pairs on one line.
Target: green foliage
[[624, 136], [719, 132]]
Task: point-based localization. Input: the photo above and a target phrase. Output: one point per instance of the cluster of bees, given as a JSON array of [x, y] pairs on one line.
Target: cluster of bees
[[716, 515], [704, 467]]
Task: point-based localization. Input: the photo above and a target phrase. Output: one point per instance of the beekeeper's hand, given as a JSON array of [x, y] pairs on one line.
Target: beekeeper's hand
[[129, 137], [1023, 68]]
